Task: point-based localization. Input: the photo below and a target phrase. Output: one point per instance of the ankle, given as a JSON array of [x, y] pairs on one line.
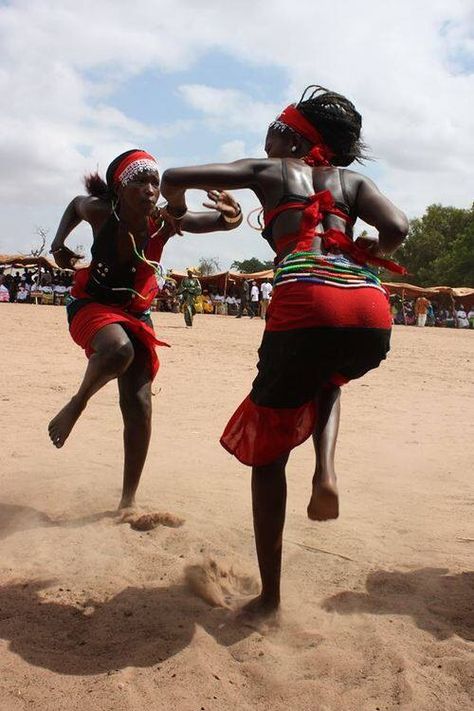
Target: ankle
[[322, 477]]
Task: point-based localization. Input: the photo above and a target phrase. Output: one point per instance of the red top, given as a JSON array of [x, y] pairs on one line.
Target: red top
[[314, 208]]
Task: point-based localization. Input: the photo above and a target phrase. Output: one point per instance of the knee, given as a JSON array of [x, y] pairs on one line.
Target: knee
[[119, 357]]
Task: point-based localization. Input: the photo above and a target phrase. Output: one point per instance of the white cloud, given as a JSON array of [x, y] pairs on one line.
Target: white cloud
[[229, 108], [232, 150], [408, 66]]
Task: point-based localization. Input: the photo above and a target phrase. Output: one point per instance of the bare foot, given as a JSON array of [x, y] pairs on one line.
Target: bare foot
[[60, 426], [324, 502], [127, 504], [260, 609]]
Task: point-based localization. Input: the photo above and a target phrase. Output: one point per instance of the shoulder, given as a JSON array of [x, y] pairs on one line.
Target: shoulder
[[92, 208]]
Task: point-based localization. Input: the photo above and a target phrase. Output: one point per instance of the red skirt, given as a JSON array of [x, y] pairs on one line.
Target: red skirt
[[87, 321], [316, 336]]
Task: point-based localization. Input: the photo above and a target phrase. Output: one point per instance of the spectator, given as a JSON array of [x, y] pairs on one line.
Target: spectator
[[254, 297], [461, 317], [231, 303], [4, 293], [22, 294], [421, 310], [266, 293], [470, 317], [244, 292]]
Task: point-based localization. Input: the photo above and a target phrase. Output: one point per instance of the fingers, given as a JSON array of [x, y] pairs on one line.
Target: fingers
[[210, 205]]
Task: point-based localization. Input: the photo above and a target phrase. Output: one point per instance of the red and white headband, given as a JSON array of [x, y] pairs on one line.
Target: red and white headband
[[133, 164]]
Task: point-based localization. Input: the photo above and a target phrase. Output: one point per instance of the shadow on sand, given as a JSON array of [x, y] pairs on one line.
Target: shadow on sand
[[15, 517], [439, 603], [137, 627]]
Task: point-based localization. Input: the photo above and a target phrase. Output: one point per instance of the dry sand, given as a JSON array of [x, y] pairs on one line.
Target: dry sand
[[378, 606]]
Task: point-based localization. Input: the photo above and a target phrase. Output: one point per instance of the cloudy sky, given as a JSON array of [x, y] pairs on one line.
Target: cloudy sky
[[194, 81]]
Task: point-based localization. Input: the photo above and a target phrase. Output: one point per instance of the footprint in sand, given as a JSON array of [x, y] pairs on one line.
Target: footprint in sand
[[218, 582], [148, 521]]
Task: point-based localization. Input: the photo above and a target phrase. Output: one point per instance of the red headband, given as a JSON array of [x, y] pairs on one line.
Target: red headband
[[320, 154], [132, 164]]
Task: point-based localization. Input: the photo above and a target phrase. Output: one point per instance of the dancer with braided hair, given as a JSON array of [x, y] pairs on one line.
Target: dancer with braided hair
[[329, 318], [109, 314]]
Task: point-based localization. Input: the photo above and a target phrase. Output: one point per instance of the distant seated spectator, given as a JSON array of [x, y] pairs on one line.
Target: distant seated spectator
[[461, 318], [231, 303], [22, 294], [46, 278], [205, 303], [450, 318], [470, 317], [4, 293]]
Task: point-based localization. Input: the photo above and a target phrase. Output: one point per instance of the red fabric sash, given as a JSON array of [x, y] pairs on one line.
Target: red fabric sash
[[333, 240]]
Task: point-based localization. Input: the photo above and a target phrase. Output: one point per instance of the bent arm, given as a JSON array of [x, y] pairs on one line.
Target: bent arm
[[377, 210], [79, 209]]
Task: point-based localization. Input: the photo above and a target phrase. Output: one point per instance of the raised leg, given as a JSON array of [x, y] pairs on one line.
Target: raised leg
[[268, 504], [135, 404], [324, 502], [113, 353]]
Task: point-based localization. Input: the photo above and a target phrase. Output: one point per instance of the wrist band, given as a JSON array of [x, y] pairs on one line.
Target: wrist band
[[172, 212]]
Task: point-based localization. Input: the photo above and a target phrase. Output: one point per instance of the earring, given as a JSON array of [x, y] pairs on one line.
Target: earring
[[293, 149]]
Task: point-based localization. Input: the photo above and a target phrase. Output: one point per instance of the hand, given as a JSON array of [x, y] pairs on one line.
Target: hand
[[224, 203], [64, 257], [369, 244], [173, 216]]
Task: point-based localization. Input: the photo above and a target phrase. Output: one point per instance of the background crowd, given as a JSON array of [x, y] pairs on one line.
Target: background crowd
[[247, 298], [39, 286], [423, 312]]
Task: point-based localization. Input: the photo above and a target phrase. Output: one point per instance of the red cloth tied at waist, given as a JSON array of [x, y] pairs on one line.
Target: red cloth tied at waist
[[314, 210], [94, 316]]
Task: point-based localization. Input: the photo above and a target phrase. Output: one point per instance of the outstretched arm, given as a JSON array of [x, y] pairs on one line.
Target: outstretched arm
[[214, 176], [377, 210]]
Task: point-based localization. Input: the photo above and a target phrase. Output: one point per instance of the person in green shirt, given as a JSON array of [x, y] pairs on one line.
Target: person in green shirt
[[188, 290]]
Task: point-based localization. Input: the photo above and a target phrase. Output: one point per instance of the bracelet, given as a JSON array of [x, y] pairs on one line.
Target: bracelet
[[176, 213], [233, 220]]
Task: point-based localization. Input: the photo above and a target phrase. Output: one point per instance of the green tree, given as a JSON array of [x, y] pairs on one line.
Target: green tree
[[250, 266], [208, 266], [439, 249]]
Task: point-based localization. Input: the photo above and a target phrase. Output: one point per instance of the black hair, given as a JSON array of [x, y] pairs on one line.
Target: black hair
[[338, 122], [105, 189]]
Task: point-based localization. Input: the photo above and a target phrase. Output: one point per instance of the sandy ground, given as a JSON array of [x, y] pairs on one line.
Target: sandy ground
[[378, 606]]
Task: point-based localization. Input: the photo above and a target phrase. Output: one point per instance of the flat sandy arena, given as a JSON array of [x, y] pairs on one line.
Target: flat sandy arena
[[378, 606]]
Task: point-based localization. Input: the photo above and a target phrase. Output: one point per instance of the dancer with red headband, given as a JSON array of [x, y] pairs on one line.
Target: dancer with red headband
[[329, 318], [109, 314]]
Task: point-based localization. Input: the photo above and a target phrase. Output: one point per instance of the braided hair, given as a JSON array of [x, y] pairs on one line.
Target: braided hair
[[338, 122], [96, 186]]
